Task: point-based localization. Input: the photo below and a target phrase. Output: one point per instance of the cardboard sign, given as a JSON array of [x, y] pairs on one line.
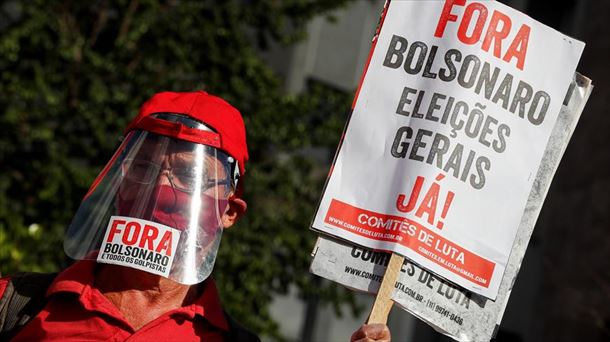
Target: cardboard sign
[[140, 244], [446, 136], [447, 307]]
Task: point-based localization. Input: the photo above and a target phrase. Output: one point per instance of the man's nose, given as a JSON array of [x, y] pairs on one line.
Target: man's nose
[[164, 178]]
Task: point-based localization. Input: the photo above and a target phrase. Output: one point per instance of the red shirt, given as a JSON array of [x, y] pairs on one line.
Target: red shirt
[[77, 311]]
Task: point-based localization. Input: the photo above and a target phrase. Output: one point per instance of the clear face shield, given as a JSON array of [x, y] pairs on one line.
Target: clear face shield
[[157, 206]]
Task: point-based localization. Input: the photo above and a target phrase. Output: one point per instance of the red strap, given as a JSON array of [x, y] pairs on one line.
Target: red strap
[[177, 130]]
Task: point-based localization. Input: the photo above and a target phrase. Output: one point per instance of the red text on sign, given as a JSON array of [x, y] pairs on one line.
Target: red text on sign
[[145, 236], [413, 236], [471, 25], [429, 203]]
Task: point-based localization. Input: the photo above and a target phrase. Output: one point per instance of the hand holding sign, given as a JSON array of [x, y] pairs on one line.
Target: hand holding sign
[[372, 332]]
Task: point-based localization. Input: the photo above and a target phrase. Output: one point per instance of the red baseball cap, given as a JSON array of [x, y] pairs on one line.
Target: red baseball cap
[[224, 119]]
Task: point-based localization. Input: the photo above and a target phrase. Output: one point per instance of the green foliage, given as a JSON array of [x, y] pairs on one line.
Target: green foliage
[[73, 73]]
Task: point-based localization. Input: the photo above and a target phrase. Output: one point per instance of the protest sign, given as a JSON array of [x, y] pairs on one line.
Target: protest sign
[[447, 307], [446, 136]]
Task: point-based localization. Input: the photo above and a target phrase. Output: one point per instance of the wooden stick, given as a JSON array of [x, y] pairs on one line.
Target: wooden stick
[[383, 301]]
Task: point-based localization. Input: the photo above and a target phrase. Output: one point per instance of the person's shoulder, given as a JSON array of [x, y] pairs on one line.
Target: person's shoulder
[[4, 281], [26, 284]]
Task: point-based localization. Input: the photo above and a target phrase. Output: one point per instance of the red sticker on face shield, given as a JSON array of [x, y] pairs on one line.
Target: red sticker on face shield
[[140, 244]]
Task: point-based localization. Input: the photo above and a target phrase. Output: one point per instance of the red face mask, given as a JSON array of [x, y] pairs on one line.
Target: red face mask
[[171, 207]]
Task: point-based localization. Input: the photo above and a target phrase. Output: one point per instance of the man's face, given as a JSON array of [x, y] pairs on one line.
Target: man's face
[[170, 181], [185, 186]]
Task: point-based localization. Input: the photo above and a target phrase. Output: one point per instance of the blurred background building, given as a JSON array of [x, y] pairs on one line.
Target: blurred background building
[[563, 289]]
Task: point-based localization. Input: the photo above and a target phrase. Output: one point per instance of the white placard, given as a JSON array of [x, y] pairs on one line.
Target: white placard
[[448, 308], [446, 136]]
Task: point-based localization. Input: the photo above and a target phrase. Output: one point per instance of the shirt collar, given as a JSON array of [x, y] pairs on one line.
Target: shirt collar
[[79, 278]]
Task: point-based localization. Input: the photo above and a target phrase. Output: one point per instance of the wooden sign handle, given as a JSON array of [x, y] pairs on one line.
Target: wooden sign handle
[[383, 301]]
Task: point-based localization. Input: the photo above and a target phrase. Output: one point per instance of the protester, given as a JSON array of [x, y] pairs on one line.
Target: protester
[[146, 236]]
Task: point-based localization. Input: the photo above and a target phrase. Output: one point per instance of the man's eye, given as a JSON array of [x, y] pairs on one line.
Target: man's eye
[[186, 175], [140, 165], [187, 172]]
